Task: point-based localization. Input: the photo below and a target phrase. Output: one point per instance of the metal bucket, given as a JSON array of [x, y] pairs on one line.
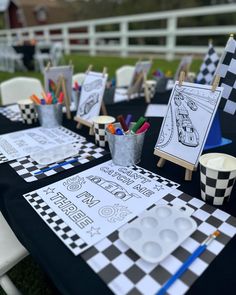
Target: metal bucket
[[49, 115], [125, 150]]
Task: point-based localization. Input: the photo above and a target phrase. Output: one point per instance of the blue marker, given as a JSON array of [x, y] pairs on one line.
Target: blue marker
[[119, 131]]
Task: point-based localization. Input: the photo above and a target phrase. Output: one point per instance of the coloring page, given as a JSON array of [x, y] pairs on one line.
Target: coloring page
[[53, 75], [188, 120], [141, 67], [97, 201], [22, 143], [91, 95]]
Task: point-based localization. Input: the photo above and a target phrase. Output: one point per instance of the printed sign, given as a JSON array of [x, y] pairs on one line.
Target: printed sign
[[189, 116], [95, 202]]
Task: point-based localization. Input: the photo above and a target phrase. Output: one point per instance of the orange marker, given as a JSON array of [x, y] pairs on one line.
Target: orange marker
[[111, 128], [35, 99]]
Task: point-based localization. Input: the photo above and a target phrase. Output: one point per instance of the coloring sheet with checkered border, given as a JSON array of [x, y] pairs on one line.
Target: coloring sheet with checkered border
[[92, 204], [22, 143], [11, 112], [29, 169], [125, 272]]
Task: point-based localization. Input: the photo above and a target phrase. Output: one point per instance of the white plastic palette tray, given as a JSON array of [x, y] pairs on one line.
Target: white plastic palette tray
[[54, 155], [158, 232]]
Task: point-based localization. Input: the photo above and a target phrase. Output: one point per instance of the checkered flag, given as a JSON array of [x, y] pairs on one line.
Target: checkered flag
[[208, 67], [227, 72]]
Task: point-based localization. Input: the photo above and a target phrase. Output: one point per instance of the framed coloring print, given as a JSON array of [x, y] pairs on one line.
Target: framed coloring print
[[188, 120], [91, 96]]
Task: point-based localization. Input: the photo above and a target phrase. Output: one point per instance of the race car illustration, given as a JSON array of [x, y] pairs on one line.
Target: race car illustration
[[187, 134], [112, 187], [86, 107], [192, 105]]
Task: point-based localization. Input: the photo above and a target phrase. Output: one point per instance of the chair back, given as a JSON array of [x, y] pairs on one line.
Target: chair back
[[19, 88], [79, 78], [124, 76]]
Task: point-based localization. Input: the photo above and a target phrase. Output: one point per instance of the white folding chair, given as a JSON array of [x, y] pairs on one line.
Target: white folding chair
[[54, 55], [14, 60], [11, 252], [124, 76], [79, 78], [19, 88]]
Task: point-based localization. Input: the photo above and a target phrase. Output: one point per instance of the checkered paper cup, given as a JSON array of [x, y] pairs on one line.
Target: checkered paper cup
[[100, 124], [217, 177], [28, 112]]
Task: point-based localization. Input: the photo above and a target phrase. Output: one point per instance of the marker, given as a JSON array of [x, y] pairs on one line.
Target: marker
[[61, 97], [35, 99], [128, 120], [143, 128], [43, 101], [111, 128], [138, 124], [121, 119], [119, 132]]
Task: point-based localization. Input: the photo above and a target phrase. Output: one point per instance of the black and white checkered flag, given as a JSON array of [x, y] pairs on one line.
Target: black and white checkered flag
[[208, 67], [227, 71]]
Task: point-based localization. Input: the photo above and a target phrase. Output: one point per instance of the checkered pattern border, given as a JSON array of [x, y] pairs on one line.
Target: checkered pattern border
[[26, 167], [227, 72], [126, 273], [216, 186], [28, 113], [69, 237], [154, 176], [100, 134], [208, 67], [3, 159], [10, 114]]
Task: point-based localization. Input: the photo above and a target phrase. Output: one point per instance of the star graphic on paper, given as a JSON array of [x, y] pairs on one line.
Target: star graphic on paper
[[94, 231], [158, 187], [49, 191]]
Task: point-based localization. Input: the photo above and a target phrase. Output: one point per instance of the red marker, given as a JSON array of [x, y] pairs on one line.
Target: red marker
[[61, 97], [143, 128], [121, 119]]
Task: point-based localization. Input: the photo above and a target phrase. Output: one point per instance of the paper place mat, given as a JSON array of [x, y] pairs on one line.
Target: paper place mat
[[27, 167], [11, 112], [156, 110], [124, 272], [16, 145], [88, 206]]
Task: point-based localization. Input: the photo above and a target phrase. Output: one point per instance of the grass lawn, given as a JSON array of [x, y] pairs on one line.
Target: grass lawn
[[27, 275]]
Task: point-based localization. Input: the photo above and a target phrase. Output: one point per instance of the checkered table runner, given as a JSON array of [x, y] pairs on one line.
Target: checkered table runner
[[10, 113], [126, 273], [27, 167]]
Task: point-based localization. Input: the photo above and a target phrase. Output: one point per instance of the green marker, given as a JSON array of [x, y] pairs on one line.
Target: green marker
[[138, 124]]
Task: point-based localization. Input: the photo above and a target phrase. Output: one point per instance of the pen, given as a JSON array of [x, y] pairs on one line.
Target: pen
[[128, 120], [138, 124], [188, 262], [111, 128], [121, 119], [59, 165], [143, 128]]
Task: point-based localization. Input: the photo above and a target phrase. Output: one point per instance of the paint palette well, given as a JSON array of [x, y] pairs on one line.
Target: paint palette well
[[53, 155], [158, 232]]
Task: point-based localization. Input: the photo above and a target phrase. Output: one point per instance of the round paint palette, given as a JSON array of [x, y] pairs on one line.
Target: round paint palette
[[54, 154], [158, 232]]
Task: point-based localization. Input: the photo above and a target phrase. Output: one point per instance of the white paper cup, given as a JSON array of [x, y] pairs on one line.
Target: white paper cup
[[217, 177], [100, 124], [28, 112]]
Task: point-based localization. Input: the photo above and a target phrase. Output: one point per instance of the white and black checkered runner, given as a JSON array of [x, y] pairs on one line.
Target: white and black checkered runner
[[26, 167], [208, 67], [227, 71], [125, 272], [10, 113]]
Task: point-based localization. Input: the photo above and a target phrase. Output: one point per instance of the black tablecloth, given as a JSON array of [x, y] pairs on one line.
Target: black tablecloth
[[70, 274]]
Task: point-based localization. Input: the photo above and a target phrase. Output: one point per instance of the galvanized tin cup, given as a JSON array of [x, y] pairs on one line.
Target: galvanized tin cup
[[126, 150], [49, 115]]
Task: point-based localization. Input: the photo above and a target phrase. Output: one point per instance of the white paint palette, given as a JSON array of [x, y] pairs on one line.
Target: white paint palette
[[54, 154], [158, 232]]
